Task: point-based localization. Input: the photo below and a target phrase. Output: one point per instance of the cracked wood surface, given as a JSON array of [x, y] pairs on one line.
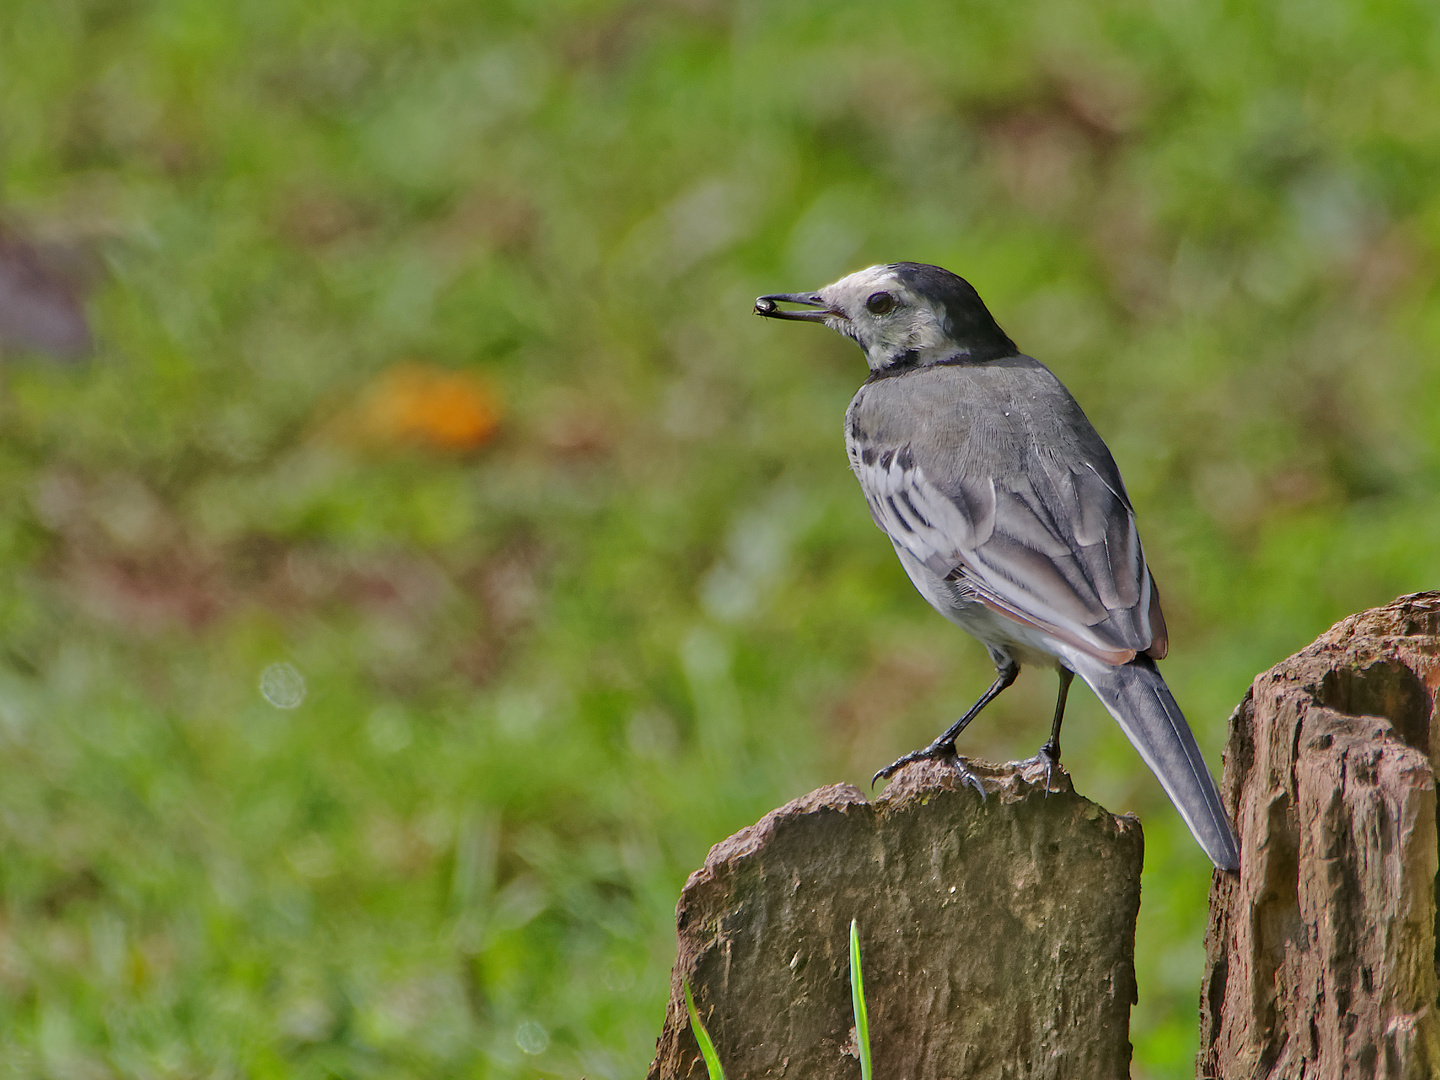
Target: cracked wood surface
[[997, 936], [1321, 956]]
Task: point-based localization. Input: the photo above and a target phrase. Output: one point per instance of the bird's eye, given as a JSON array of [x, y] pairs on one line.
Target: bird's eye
[[880, 303]]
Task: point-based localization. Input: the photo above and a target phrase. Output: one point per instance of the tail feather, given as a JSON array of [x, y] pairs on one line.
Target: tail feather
[[1142, 704]]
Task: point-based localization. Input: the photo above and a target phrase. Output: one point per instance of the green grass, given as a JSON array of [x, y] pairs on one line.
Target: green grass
[[857, 998], [713, 1068], [857, 1001], [541, 679]]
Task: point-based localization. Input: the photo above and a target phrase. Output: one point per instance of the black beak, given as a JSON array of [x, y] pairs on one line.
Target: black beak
[[767, 306]]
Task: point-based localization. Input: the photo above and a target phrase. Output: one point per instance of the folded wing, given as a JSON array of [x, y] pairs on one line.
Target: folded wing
[[1053, 545]]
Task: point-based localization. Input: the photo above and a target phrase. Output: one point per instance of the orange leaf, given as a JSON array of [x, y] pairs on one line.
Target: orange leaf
[[433, 406]]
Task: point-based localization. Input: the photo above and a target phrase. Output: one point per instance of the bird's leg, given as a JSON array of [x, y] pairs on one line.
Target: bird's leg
[[1050, 752], [943, 748]]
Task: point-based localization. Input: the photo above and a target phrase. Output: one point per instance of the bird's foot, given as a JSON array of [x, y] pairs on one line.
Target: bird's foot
[[1049, 756], [934, 752]]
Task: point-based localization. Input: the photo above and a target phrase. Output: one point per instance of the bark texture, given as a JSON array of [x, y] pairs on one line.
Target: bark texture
[[1321, 954], [997, 936]]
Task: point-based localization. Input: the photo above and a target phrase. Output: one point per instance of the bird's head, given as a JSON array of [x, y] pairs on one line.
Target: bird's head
[[902, 315]]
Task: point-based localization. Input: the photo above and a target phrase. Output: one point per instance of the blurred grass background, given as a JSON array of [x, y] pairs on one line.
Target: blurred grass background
[[346, 732]]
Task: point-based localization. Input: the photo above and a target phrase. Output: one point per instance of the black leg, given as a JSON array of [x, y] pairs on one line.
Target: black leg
[[1050, 752], [1052, 748], [944, 747]]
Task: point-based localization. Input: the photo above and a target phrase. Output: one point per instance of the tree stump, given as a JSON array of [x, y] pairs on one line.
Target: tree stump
[[1321, 957], [997, 936]]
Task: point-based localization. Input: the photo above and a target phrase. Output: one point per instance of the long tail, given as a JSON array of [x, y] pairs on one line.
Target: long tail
[[1138, 698]]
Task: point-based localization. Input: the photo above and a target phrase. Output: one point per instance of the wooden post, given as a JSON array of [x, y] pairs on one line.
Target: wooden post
[[1321, 958], [997, 936]]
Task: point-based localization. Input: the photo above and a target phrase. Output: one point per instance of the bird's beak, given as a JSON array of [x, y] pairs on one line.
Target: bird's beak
[[767, 306]]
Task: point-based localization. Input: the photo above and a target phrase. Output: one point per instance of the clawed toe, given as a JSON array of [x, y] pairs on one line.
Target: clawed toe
[[1049, 756], [968, 777], [930, 753], [933, 753]]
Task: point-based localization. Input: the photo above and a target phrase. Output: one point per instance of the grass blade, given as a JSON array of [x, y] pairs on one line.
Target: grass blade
[[857, 999], [702, 1037]]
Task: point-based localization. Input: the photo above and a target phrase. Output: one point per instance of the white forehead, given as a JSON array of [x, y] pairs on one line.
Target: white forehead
[[862, 283]]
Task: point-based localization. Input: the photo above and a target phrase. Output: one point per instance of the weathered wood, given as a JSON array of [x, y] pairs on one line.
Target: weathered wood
[[1321, 954], [997, 936]]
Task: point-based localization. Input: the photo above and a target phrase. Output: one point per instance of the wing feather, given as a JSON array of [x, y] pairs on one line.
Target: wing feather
[[1054, 546]]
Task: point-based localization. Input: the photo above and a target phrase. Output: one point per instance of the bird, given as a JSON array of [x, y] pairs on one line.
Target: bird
[[1009, 515]]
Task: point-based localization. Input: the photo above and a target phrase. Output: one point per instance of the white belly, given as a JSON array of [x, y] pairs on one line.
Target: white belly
[[1021, 643]]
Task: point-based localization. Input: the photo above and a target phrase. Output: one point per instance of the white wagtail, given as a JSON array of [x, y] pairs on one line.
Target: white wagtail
[[1008, 513]]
